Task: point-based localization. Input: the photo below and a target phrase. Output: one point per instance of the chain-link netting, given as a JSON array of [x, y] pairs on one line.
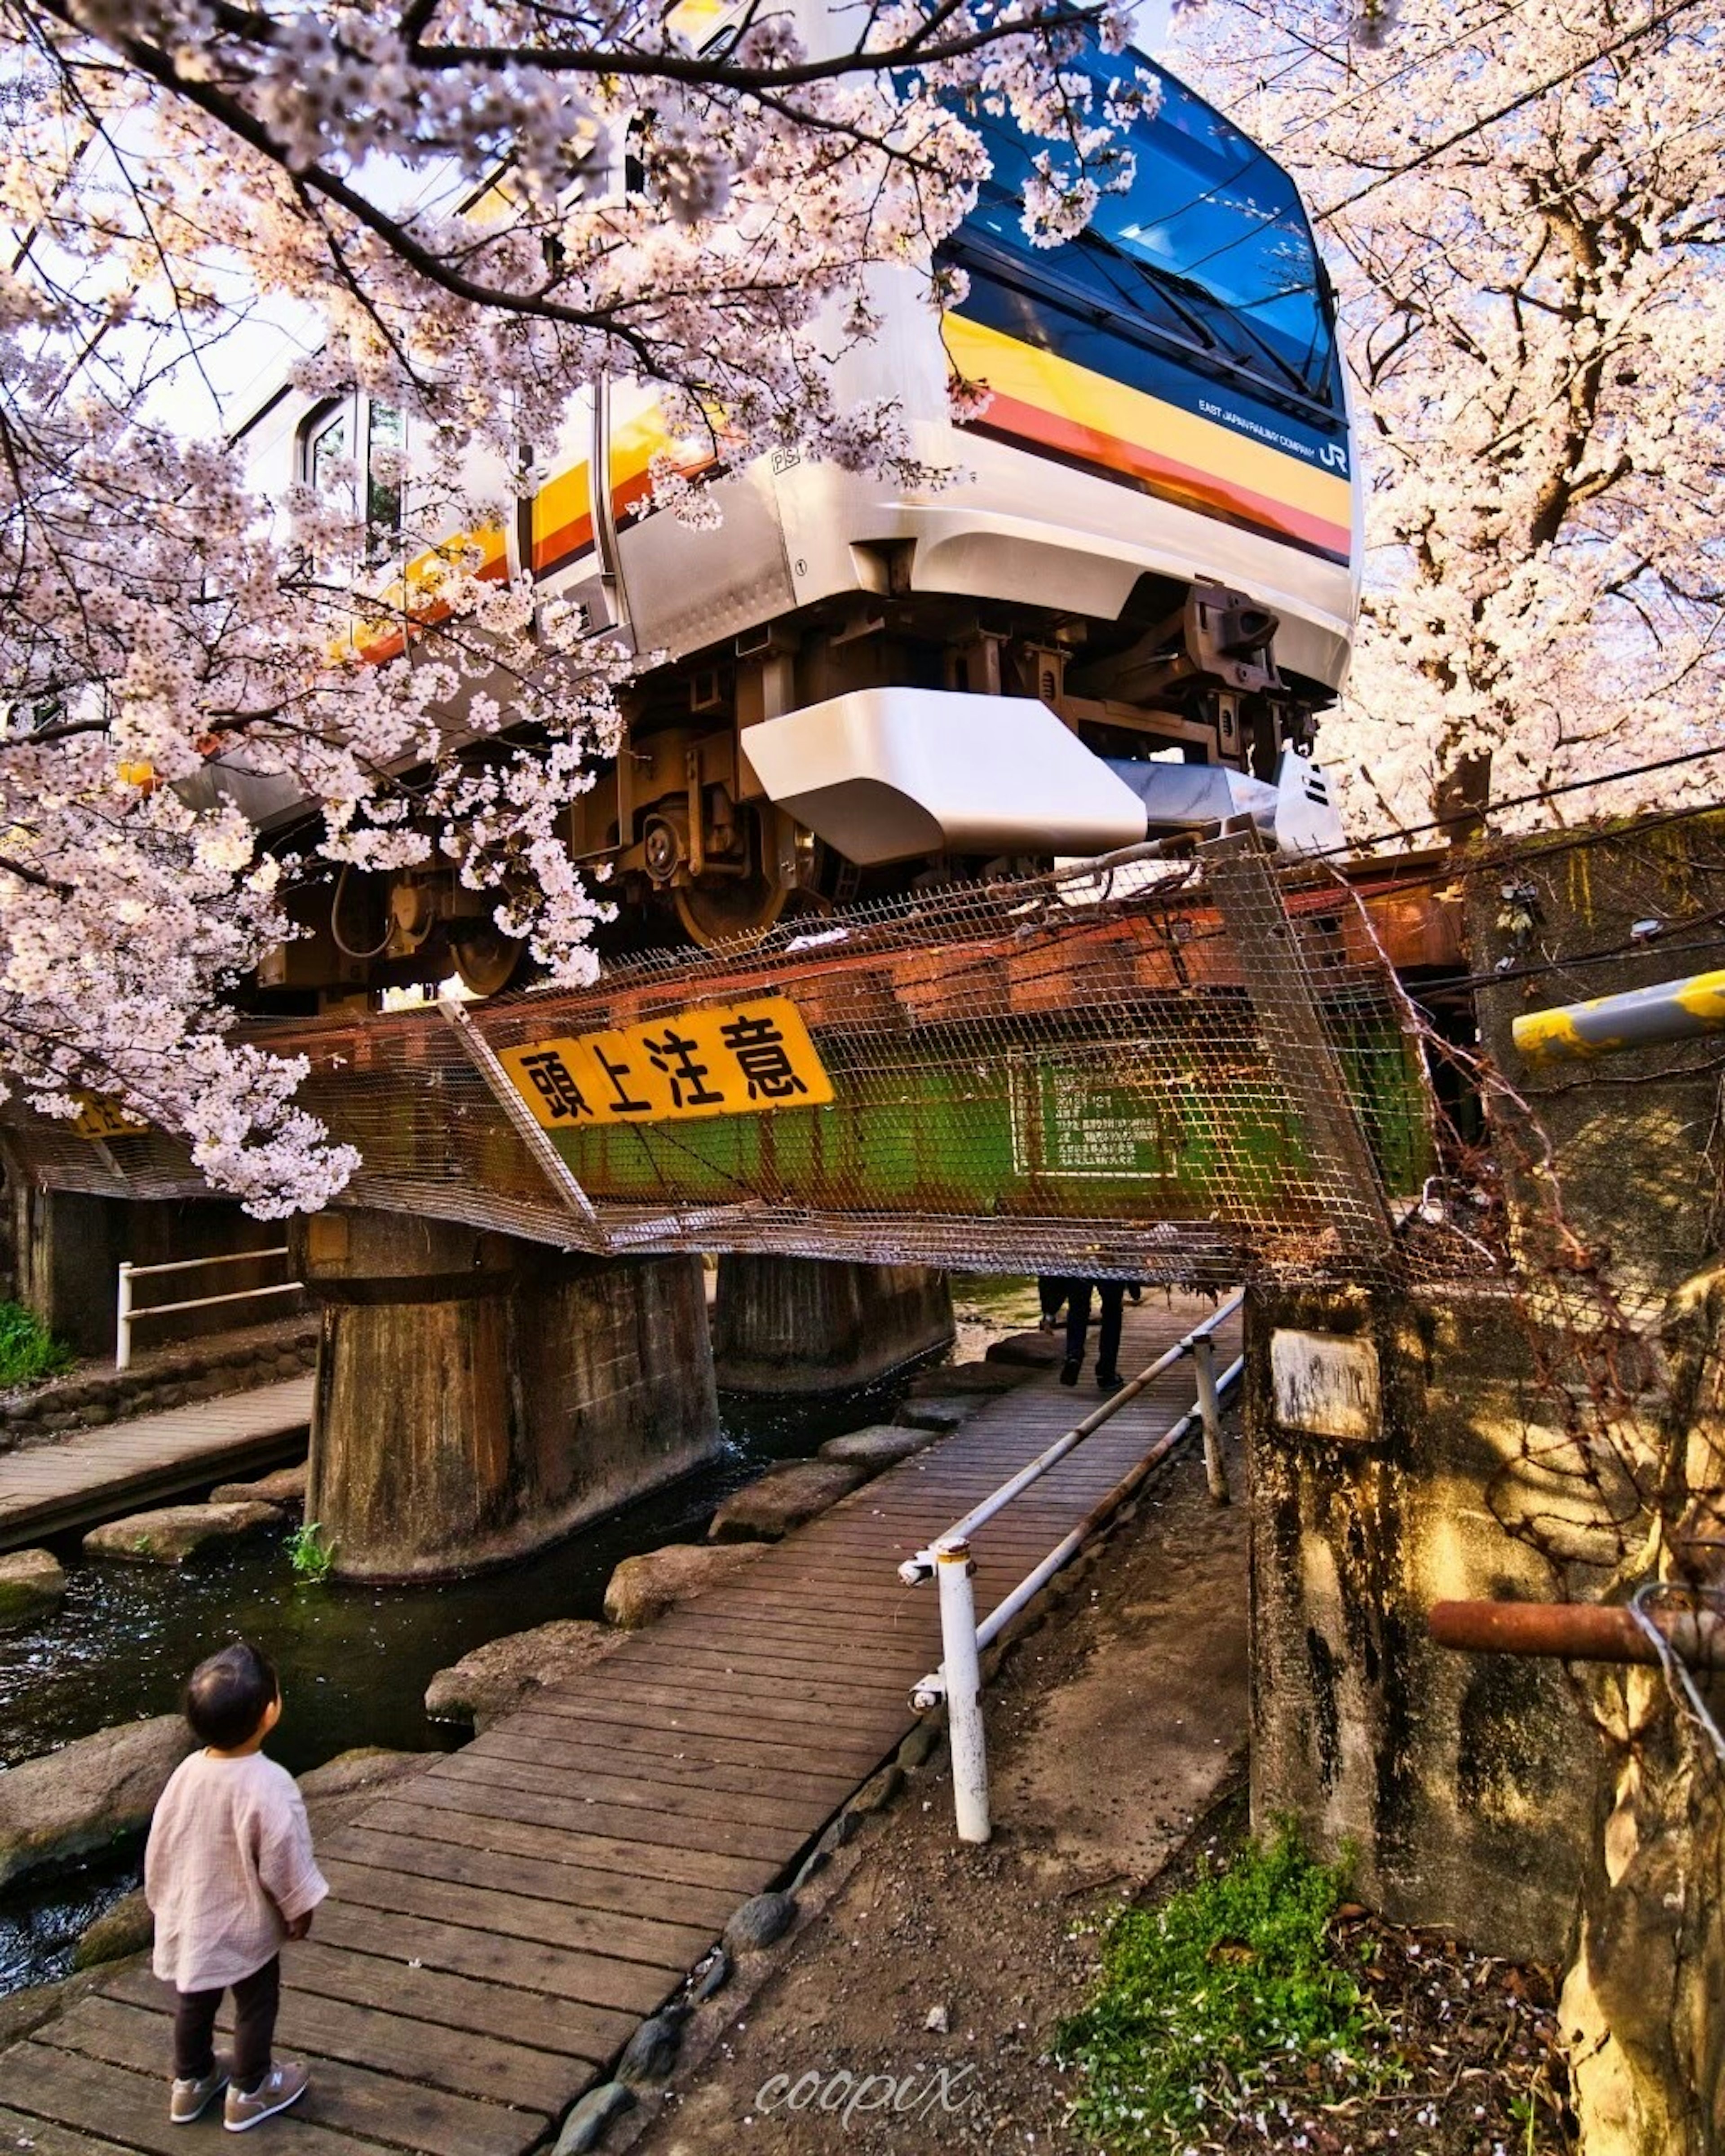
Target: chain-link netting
[[1212, 1075]]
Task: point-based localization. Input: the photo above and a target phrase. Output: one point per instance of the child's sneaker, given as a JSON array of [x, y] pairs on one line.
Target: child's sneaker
[[283, 2084], [192, 2099]]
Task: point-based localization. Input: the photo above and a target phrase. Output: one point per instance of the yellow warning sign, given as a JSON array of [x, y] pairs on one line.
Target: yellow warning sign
[[726, 1060], [98, 1118]]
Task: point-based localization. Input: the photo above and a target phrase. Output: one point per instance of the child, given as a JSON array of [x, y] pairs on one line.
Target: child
[[230, 1875]]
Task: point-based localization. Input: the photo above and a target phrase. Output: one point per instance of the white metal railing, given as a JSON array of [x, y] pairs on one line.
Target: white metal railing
[[947, 1559], [127, 1316]]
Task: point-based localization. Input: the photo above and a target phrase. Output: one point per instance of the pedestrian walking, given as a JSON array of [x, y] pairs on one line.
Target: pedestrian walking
[[1112, 1294], [1052, 1290], [229, 1876]]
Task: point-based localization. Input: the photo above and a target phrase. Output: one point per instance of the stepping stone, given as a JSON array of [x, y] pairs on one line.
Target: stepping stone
[[987, 1378], [936, 1416], [177, 1532], [1029, 1351], [504, 1674], [285, 1487], [881, 1445], [87, 1795], [764, 1509], [643, 1587], [31, 1583]]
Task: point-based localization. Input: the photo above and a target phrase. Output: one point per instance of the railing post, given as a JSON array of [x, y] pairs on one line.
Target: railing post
[[122, 1329], [964, 1703], [1210, 1409]]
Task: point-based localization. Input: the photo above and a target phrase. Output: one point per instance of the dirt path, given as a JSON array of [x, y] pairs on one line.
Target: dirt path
[[915, 2008]]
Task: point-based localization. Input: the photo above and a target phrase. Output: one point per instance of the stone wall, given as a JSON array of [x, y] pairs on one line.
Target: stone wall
[[1558, 1438], [1464, 1783], [262, 1356]]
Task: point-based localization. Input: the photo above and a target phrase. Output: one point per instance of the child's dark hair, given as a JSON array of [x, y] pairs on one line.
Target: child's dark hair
[[229, 1696]]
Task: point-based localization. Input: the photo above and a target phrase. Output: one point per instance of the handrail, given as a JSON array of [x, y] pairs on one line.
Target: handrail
[[915, 1569], [125, 1317], [191, 1265], [947, 1557]]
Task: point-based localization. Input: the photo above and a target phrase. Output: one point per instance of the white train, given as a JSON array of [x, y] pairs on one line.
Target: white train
[[1124, 620]]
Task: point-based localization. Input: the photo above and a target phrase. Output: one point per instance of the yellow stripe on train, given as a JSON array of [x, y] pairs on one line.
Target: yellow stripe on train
[[1079, 399]]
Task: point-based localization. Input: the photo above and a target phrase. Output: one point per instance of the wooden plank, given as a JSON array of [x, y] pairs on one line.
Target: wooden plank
[[720, 1631], [699, 1722], [671, 1947], [570, 1739], [789, 1782], [666, 1795], [567, 2028], [345, 2098], [798, 1638], [763, 1677], [91, 2094], [614, 1892], [461, 2060], [43, 2137], [627, 1987], [750, 1652], [708, 1837], [612, 1685], [470, 1817]]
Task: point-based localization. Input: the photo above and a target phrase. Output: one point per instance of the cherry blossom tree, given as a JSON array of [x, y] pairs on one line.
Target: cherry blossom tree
[[486, 204], [1524, 212]]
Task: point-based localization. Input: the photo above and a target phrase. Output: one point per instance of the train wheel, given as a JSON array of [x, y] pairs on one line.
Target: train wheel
[[729, 910], [485, 958]]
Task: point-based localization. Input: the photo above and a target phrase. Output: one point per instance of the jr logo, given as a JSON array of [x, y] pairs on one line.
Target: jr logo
[[1335, 457]]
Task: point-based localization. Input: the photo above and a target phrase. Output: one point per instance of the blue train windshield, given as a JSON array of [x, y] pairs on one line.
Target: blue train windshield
[[1210, 243]]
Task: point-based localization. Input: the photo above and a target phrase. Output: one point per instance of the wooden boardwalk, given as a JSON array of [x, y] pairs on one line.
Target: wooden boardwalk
[[92, 1474], [498, 1928]]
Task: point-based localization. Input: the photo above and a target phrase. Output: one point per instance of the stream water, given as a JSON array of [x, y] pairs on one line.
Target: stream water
[[355, 1661]]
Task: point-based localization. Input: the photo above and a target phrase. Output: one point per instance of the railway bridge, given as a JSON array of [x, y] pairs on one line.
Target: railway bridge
[[1177, 1082], [1217, 1077]]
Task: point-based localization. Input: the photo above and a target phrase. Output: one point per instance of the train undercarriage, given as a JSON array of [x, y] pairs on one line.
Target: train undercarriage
[[693, 841]]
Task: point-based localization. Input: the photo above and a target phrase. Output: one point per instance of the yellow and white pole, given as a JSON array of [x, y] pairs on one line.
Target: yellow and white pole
[[1640, 1018]]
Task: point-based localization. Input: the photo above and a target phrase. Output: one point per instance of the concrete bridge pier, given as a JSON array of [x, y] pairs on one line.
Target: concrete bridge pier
[[791, 1326], [479, 1396]]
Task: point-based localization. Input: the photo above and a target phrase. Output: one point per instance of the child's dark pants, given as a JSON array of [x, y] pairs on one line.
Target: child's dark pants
[[255, 2000]]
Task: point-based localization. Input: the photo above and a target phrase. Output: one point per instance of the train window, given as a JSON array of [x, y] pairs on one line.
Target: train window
[[386, 437], [1210, 240], [329, 444], [328, 454]]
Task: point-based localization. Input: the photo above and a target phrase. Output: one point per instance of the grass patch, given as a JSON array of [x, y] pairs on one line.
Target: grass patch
[[28, 1351], [1232, 1990]]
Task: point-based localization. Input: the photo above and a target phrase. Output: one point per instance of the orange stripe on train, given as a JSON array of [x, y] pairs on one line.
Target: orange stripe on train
[[1159, 473]]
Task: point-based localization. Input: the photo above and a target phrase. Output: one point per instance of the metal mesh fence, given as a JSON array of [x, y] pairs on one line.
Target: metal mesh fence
[[1211, 1075]]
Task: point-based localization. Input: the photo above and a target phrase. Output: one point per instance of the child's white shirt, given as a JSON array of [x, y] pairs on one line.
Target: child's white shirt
[[227, 1867]]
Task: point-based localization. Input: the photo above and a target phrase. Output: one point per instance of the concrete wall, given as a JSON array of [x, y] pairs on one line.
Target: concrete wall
[[790, 1326], [1640, 1174], [68, 1247], [1465, 1782], [479, 1397]]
